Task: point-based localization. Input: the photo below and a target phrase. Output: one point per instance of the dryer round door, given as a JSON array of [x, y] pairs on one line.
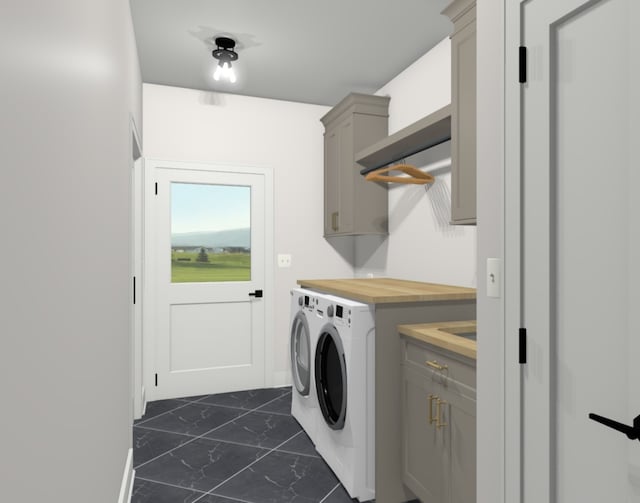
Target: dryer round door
[[331, 377], [301, 354]]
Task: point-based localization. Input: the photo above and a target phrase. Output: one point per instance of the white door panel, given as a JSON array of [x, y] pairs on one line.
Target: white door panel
[[210, 332], [580, 249]]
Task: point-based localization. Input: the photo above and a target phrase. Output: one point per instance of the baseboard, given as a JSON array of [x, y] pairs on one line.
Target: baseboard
[[144, 402], [281, 378], [139, 406], [126, 487]]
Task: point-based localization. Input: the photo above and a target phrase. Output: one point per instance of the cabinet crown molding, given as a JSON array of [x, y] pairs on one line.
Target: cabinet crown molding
[[458, 8], [358, 103]]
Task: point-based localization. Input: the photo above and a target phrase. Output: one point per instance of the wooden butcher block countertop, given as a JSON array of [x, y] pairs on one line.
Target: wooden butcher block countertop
[[443, 335], [388, 290]]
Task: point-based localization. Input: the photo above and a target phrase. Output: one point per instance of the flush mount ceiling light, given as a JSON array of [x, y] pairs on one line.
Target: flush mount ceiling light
[[225, 55]]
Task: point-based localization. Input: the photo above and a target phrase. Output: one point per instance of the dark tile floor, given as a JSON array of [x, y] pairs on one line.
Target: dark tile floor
[[230, 447]]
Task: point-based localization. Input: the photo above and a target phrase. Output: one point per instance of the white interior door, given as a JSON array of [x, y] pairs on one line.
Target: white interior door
[[581, 249], [209, 276]]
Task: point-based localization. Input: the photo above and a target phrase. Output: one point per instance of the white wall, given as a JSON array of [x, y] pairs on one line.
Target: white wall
[[69, 83], [490, 196], [421, 245], [189, 125]]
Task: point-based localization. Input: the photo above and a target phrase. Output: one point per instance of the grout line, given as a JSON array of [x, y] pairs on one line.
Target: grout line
[[301, 454], [162, 414], [330, 492], [272, 413], [248, 466], [166, 431], [206, 433], [237, 443], [203, 493], [225, 497], [216, 394]]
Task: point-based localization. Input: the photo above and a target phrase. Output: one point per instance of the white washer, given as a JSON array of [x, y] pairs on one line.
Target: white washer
[[345, 387], [304, 329]]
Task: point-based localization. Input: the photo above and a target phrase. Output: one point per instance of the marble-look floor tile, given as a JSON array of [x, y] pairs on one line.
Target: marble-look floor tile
[[257, 428], [339, 495], [145, 491], [158, 407], [193, 419], [148, 444], [192, 398], [281, 405], [247, 400], [300, 444], [212, 498], [281, 477], [201, 464]]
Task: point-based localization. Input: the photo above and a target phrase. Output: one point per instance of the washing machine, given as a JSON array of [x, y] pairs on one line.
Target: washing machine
[[345, 386], [304, 329]]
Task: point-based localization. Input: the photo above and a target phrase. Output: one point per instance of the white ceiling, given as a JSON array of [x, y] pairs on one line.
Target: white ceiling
[[297, 50]]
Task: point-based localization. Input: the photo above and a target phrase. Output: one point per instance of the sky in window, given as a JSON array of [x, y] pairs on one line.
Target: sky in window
[[202, 207]]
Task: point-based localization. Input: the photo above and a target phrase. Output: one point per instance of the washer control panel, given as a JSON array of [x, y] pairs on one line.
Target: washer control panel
[[342, 316]]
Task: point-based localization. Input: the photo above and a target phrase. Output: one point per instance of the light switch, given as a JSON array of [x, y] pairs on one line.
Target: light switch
[[494, 277], [284, 260]]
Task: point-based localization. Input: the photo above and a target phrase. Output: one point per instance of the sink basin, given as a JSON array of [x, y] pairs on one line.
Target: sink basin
[[468, 332]]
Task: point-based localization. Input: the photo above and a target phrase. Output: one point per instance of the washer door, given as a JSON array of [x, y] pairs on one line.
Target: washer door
[[331, 377], [301, 354]]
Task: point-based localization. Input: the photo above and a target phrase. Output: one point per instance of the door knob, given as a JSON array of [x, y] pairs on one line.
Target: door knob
[[632, 432], [257, 294]]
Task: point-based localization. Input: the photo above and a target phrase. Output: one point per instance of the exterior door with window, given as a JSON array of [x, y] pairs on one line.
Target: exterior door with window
[[210, 277], [581, 250]]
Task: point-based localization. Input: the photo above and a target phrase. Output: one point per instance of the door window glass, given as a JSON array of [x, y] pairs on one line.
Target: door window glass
[[210, 233]]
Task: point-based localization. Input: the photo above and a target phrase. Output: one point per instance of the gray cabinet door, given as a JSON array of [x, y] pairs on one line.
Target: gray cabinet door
[[463, 112], [353, 205], [462, 426], [331, 182], [425, 446]]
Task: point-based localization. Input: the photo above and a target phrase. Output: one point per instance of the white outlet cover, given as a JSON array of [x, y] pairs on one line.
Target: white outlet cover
[[284, 260], [494, 277]]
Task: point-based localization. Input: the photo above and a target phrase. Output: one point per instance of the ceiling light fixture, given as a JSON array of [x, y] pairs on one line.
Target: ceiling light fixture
[[225, 55]]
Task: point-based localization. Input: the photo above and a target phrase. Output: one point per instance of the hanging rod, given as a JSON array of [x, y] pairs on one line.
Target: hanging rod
[[415, 175], [423, 134]]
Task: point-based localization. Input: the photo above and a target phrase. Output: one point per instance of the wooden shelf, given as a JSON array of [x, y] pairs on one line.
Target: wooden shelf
[[421, 135]]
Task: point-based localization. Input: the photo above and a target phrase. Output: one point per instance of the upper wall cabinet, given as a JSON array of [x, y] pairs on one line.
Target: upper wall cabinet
[[463, 111], [351, 204]]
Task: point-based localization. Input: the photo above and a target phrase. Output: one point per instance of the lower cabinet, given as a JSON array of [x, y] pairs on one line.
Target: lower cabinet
[[439, 426]]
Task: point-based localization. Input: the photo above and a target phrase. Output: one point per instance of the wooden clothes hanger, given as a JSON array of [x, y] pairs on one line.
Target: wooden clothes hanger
[[415, 175]]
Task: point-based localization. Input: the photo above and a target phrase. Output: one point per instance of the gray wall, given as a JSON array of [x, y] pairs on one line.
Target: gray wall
[[70, 82]]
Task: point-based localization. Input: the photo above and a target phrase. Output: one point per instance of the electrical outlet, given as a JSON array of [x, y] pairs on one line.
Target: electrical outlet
[[284, 260], [494, 281]]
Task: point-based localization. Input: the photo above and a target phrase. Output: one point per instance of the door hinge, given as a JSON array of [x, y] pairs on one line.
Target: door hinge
[[156, 380], [134, 290], [156, 188], [522, 351], [522, 64]]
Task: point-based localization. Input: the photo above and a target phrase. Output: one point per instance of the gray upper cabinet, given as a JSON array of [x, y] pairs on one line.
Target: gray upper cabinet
[[463, 111], [353, 205]]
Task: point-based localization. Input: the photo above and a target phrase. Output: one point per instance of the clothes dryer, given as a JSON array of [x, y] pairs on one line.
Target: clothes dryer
[[345, 387], [303, 334]]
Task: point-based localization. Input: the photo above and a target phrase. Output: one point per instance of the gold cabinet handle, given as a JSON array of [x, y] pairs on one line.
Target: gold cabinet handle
[[431, 399], [435, 365], [334, 220], [439, 412]]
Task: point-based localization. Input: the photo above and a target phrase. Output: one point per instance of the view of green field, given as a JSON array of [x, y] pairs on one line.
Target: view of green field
[[220, 267]]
